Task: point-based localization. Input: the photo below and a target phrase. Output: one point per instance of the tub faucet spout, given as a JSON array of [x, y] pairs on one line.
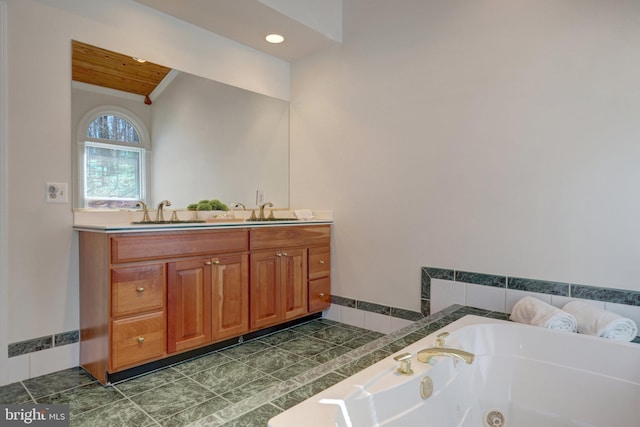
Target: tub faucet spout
[[427, 354]]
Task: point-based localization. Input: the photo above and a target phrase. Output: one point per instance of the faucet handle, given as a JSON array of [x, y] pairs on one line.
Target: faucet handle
[[405, 363], [440, 339]]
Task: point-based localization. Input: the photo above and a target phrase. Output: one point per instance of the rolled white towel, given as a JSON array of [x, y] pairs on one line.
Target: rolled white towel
[[533, 311], [601, 323]]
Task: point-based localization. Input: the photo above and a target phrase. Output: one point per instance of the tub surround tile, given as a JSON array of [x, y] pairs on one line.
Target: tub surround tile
[[401, 313], [486, 297], [538, 286], [481, 279], [373, 308], [618, 296]]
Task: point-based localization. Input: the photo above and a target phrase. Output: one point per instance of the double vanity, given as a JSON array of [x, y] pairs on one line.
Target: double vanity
[[149, 294]]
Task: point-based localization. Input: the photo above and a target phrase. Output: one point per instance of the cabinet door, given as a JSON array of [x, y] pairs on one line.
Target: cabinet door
[[266, 300], [189, 304], [294, 282], [230, 310]]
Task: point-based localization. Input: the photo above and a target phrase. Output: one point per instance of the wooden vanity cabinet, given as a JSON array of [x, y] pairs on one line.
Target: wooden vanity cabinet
[[145, 296], [279, 285], [319, 278]]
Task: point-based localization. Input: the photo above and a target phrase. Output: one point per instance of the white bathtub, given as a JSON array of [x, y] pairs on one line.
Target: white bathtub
[[532, 376]]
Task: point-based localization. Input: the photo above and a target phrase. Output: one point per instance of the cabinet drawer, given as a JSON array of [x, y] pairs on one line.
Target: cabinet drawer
[[138, 339], [180, 244], [137, 289], [319, 262], [319, 294], [283, 237]]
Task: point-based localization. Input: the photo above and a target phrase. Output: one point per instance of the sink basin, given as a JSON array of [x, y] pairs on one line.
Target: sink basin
[[188, 221]]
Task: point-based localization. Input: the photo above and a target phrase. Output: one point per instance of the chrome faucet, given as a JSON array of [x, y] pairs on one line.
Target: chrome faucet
[[160, 213], [427, 354], [261, 215], [143, 205]]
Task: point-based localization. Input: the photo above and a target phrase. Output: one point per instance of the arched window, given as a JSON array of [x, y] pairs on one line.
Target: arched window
[[112, 153]]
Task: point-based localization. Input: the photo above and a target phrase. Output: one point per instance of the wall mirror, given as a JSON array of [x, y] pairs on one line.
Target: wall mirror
[[208, 140]]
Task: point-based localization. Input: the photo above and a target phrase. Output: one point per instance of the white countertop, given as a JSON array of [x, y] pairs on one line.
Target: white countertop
[[121, 221]]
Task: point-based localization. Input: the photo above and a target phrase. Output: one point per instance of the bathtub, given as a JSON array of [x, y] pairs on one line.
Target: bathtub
[[521, 376]]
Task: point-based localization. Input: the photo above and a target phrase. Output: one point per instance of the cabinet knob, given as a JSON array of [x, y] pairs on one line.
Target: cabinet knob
[[207, 263], [321, 262], [278, 254], [216, 261], [321, 294], [284, 254], [140, 289], [140, 340]]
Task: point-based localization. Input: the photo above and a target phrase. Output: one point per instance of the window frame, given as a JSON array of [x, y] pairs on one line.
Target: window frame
[[79, 159]]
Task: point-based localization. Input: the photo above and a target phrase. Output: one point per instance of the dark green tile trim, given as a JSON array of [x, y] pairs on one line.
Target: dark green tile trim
[[373, 307], [347, 302], [481, 279], [385, 310], [439, 273], [43, 343], [540, 286], [29, 346], [405, 314], [65, 338], [617, 296]]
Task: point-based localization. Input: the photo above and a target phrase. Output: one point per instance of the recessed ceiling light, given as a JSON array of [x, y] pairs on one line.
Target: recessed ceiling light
[[274, 38], [140, 60]]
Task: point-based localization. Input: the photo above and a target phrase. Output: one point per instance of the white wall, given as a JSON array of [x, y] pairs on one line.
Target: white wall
[[42, 277], [488, 136]]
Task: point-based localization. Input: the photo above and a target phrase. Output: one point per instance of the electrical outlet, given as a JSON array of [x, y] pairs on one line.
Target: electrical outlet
[[259, 197], [57, 192]]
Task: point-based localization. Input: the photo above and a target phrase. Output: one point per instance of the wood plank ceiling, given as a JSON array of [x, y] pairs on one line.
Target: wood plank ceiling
[[105, 68]]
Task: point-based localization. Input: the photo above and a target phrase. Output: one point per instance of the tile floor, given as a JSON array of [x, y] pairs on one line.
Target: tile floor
[[239, 386]]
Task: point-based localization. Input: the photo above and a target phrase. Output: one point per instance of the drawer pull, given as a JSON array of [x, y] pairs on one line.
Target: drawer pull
[[321, 262], [321, 294], [140, 340], [140, 289]]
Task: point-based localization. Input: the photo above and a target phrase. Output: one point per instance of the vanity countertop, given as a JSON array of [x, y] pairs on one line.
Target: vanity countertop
[[122, 222]]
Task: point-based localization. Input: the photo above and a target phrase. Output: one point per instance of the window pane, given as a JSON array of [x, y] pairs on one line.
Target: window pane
[[112, 176], [114, 128]]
